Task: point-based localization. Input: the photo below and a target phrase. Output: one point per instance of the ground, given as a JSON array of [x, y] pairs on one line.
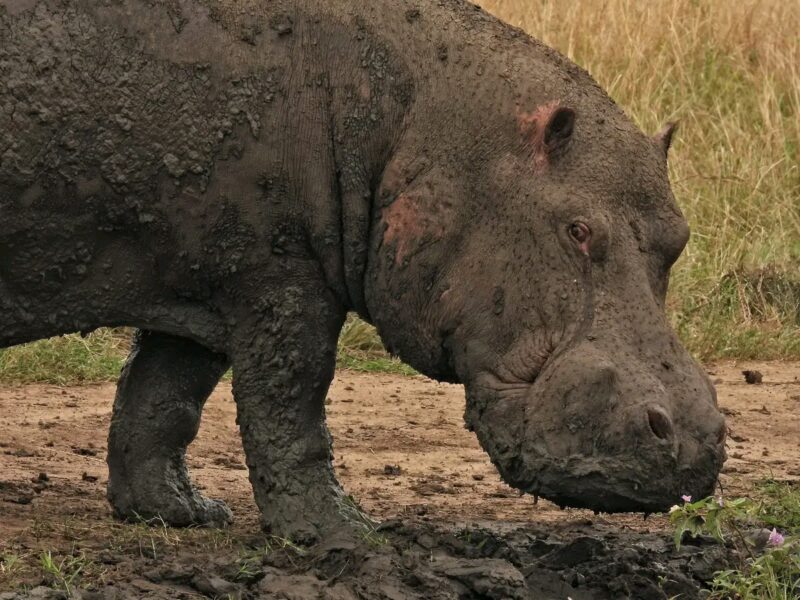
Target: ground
[[402, 451]]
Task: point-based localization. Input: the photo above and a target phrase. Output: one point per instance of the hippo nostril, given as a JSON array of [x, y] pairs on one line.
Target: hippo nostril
[[660, 423], [722, 434]]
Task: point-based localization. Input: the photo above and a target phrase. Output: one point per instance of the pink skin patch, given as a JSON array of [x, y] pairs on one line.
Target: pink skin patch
[[532, 126], [402, 225], [407, 223]]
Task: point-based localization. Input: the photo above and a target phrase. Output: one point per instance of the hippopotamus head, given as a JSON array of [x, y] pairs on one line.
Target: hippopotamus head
[[524, 249]]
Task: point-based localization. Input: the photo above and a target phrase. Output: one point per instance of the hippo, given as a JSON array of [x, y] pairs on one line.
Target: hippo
[[232, 178]]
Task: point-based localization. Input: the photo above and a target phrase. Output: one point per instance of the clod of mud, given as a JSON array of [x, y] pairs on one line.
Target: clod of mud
[[392, 470], [753, 377], [415, 561]]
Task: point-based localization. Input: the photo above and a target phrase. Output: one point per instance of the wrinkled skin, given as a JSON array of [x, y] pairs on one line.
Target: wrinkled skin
[[232, 179]]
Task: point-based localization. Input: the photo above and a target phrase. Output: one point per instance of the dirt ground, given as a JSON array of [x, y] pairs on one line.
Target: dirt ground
[[402, 451]]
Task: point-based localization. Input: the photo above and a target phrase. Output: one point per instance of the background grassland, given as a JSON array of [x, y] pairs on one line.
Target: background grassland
[[729, 72]]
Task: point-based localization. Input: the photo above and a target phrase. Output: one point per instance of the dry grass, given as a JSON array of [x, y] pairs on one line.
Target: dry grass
[[730, 73], [67, 360], [72, 359]]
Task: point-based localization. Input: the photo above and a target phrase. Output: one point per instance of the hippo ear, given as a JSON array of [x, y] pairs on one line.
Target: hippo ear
[[546, 131], [559, 128], [664, 137]]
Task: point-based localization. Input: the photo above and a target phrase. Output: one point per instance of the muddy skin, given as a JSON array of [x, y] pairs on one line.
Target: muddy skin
[[160, 396], [235, 178]]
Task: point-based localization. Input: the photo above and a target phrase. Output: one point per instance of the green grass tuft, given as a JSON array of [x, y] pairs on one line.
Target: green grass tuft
[[781, 504], [360, 349], [67, 360], [73, 360], [768, 569]]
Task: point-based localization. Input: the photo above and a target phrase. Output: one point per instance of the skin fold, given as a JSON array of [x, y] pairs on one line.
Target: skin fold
[[232, 178]]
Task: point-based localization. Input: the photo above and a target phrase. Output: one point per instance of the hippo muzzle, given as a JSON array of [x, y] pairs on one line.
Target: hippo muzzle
[[612, 433]]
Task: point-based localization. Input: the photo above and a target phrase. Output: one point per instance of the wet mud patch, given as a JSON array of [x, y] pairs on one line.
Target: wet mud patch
[[414, 561]]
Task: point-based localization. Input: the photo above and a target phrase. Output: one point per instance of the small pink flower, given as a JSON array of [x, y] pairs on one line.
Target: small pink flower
[[686, 498], [775, 538], [720, 502]]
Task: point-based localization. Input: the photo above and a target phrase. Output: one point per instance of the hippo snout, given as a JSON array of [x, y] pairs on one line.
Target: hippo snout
[[651, 436], [618, 433]]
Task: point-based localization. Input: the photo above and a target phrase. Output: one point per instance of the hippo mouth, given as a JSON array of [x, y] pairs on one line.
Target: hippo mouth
[[607, 485]]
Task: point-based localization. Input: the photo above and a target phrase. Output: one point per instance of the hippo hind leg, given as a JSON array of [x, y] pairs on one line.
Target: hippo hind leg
[[160, 397]]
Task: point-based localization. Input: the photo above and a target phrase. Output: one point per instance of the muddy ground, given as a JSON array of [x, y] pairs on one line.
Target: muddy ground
[[451, 528]]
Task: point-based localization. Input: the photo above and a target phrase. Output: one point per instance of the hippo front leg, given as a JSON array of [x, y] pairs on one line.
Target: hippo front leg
[[160, 397], [283, 364]]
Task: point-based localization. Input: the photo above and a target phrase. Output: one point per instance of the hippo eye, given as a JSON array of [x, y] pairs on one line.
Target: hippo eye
[[580, 232]]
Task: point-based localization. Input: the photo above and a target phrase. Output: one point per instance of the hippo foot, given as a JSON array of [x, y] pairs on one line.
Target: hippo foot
[[180, 512], [177, 511], [178, 505], [306, 525]]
